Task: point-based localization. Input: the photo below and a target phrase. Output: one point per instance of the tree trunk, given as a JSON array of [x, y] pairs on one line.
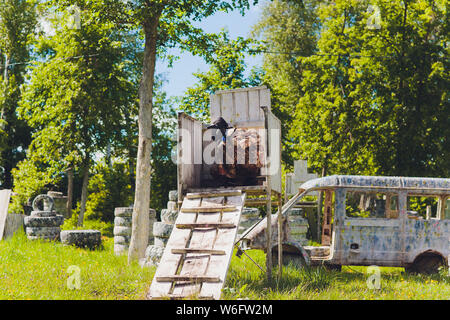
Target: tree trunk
[[69, 192], [84, 190], [5, 80], [140, 225]]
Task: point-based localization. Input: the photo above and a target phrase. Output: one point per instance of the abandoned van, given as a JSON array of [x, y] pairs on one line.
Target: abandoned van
[[383, 221]]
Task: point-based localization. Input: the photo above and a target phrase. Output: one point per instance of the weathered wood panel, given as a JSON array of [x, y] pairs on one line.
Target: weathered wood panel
[[240, 106], [195, 261], [5, 195], [190, 151], [14, 222], [274, 133]]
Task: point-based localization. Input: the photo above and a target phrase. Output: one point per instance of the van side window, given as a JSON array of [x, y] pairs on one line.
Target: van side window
[[371, 205], [422, 207]]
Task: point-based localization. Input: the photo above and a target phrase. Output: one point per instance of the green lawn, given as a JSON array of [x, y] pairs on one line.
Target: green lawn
[[246, 280], [40, 270]]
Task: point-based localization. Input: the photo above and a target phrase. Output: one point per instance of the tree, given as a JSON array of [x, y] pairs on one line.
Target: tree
[[164, 170], [17, 26], [289, 31], [378, 104], [84, 109], [164, 24], [371, 98]]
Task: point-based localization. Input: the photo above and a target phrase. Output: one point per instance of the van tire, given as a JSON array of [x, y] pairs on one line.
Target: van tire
[[426, 263]]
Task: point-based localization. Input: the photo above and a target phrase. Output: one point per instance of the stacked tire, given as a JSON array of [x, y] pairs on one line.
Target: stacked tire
[[122, 228], [249, 217], [161, 231], [91, 239], [298, 226], [163, 228], [43, 224]]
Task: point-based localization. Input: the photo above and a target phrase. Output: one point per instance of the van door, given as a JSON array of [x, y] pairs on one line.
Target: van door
[[371, 229]]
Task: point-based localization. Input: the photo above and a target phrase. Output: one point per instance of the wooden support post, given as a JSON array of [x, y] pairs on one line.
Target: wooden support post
[[280, 238], [269, 236], [269, 200]]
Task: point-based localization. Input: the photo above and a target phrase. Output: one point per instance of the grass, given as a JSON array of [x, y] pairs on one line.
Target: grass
[[40, 270]]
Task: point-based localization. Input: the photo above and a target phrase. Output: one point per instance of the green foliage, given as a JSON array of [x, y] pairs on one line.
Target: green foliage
[[91, 77], [88, 107], [109, 187], [17, 27], [289, 30], [364, 100], [32, 177], [420, 204], [164, 169], [227, 72]]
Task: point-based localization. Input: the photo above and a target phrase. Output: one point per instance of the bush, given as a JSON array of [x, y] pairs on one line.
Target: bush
[[109, 187]]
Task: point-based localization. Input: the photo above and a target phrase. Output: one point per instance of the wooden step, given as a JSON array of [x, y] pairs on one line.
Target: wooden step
[[173, 278], [179, 297], [193, 267], [259, 202], [205, 225], [213, 194], [199, 250], [209, 209]]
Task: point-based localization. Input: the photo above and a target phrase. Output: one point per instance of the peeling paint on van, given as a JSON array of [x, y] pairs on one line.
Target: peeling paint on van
[[378, 241]]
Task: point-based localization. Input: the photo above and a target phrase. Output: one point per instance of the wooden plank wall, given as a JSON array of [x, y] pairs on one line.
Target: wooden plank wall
[[4, 204], [14, 222], [241, 107], [275, 152], [190, 151]]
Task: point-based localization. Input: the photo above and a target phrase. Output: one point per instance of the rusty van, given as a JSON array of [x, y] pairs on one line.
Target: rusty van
[[371, 220]]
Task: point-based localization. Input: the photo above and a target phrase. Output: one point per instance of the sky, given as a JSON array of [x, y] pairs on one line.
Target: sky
[[179, 77]]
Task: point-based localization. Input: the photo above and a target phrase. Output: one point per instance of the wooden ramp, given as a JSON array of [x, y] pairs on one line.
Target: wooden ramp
[[196, 258]]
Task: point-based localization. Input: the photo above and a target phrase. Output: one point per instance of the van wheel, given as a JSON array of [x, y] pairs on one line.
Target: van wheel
[[333, 267], [291, 256], [293, 259], [426, 263]]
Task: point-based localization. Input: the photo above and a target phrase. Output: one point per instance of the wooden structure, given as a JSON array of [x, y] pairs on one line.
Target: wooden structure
[[5, 196], [14, 222], [199, 249], [241, 108], [198, 253]]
